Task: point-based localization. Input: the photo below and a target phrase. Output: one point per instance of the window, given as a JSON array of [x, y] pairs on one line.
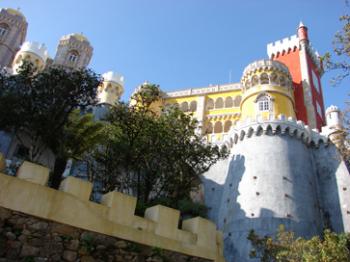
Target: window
[[219, 103], [316, 82], [209, 128], [228, 102], [255, 80], [210, 104], [73, 56], [4, 28], [218, 127], [237, 101], [184, 106], [264, 79], [282, 81], [264, 103], [193, 106], [274, 78], [227, 126]]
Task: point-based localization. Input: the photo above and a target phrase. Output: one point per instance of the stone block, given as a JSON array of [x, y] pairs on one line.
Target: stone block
[[2, 163], [33, 173], [77, 187], [121, 207], [204, 229], [166, 219]]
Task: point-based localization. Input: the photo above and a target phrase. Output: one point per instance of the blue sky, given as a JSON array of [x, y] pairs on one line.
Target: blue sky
[[183, 43]]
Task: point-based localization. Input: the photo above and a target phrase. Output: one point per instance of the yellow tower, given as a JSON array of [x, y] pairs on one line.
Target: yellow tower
[[266, 91]]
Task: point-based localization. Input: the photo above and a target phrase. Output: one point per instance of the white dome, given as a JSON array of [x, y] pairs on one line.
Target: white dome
[[113, 77], [36, 48]]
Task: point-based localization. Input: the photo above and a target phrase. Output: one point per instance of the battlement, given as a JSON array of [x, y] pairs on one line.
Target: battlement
[[285, 45], [282, 125], [70, 205], [36, 48]]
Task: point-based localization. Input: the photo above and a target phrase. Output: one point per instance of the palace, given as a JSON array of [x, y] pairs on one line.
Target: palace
[[284, 165]]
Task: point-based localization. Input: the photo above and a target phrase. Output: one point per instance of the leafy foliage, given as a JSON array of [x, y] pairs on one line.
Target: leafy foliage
[[152, 155], [38, 105], [286, 247]]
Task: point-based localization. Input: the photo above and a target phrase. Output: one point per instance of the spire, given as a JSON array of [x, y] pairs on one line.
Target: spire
[[302, 32]]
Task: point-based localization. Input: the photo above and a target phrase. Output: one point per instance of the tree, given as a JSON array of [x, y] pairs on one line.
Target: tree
[[36, 106], [80, 135], [340, 62], [286, 247], [153, 154]]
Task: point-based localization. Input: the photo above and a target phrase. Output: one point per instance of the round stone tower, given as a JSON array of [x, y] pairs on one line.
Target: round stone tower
[[73, 51], [266, 91], [13, 30], [111, 89], [32, 52], [335, 127]]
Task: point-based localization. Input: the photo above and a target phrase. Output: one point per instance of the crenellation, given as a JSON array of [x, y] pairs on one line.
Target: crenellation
[[114, 216]]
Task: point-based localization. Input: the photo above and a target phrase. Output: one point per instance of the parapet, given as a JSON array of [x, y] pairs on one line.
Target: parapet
[[265, 64], [282, 46], [70, 205], [279, 126], [36, 48]]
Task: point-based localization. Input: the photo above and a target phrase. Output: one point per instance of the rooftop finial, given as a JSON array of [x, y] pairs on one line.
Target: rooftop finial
[[301, 24]]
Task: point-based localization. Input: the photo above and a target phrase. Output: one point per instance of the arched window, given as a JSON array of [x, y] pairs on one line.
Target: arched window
[[228, 102], [237, 101], [209, 128], [264, 79], [219, 103], [218, 127], [274, 78], [282, 81], [73, 56], [264, 103], [247, 84], [255, 80], [210, 104], [184, 106], [193, 106], [4, 28], [227, 126]]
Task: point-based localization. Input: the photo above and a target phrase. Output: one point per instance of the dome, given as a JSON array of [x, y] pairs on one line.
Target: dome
[[77, 36], [36, 48], [15, 12], [332, 108], [113, 77]]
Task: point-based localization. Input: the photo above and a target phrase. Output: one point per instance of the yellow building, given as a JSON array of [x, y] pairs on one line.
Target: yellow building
[[265, 91]]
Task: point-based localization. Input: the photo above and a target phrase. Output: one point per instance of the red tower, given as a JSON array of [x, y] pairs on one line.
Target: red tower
[[306, 70]]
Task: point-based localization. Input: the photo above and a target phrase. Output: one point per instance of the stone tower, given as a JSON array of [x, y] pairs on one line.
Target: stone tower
[[111, 89], [32, 52], [73, 51], [13, 30], [304, 65], [335, 128], [280, 171]]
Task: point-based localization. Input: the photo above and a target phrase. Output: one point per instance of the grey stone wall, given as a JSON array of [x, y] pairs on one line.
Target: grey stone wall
[[272, 178], [26, 238]]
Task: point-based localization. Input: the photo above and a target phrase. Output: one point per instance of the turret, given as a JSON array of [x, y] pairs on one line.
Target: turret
[[32, 52], [73, 51], [13, 30], [111, 89], [266, 91], [335, 127]]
